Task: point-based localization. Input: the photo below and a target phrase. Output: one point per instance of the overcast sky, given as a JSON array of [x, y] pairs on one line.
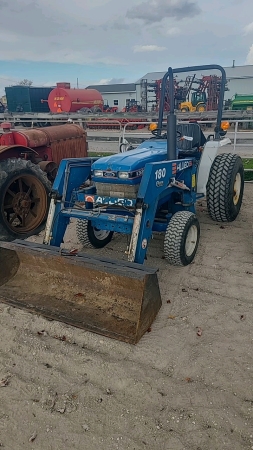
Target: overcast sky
[[103, 41]]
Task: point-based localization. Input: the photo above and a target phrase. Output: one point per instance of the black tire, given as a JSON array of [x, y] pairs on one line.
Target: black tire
[[224, 200], [178, 250], [96, 110], [22, 182], [185, 110], [201, 107], [89, 237]]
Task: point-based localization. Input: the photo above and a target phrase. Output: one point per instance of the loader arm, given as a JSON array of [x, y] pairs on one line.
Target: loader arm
[[71, 175]]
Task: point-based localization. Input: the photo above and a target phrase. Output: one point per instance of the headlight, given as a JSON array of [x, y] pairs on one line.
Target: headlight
[[123, 175], [98, 173]]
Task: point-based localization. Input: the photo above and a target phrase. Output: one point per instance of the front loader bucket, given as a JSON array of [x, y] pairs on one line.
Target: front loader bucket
[[113, 298]]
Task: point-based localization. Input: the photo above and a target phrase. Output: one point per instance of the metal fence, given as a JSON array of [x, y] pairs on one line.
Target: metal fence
[[125, 131], [236, 134]]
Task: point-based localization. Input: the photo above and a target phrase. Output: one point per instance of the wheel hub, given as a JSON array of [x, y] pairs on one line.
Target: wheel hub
[[237, 188], [191, 240], [21, 204], [24, 203], [101, 234]]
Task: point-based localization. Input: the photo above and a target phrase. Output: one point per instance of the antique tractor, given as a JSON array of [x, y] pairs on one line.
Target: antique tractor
[[29, 161]]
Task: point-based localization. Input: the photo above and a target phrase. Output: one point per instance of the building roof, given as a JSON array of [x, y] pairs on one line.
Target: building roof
[[237, 72], [113, 88]]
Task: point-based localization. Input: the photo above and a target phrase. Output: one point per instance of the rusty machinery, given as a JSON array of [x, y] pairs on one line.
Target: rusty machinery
[[29, 161], [180, 93]]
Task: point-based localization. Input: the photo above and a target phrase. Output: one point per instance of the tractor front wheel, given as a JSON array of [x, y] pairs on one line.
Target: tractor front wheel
[[24, 199], [225, 187], [91, 237], [182, 238]]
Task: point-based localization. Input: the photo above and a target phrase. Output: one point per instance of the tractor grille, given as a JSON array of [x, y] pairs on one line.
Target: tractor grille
[[117, 190]]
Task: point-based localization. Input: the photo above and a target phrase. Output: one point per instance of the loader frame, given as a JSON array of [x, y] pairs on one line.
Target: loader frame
[[139, 220]]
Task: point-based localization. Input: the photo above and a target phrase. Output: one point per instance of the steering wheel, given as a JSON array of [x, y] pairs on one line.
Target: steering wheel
[[157, 131]]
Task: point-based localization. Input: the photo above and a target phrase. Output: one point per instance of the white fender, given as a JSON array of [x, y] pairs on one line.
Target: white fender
[[209, 153]]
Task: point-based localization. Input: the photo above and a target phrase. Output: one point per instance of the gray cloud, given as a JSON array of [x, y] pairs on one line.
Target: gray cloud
[[103, 33], [3, 3], [161, 9], [31, 19]]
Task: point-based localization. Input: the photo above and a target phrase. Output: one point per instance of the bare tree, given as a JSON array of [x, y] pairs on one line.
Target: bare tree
[[25, 82]]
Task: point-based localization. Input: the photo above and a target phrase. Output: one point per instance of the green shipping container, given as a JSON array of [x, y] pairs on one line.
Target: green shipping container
[[27, 99]]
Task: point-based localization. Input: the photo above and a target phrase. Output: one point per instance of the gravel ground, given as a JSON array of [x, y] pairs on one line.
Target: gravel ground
[[64, 388]]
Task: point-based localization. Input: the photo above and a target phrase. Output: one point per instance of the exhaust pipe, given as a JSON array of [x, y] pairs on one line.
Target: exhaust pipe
[[171, 118], [171, 122]]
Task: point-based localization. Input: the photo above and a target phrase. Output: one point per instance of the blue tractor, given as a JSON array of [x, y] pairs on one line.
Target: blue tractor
[[153, 188]]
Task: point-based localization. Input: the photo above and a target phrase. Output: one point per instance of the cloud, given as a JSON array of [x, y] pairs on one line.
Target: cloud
[[174, 31], [103, 81], [110, 81], [157, 10], [249, 28], [148, 48], [53, 34], [100, 35], [249, 59], [116, 81]]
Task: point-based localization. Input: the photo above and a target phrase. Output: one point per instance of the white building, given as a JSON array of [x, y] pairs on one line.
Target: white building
[[116, 94]]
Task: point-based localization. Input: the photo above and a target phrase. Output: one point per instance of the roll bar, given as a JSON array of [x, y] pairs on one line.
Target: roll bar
[[169, 74]]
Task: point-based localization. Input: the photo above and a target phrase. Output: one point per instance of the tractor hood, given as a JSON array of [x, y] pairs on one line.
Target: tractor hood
[[130, 161]]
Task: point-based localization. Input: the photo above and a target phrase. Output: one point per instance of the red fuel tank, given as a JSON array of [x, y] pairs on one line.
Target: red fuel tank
[[62, 100]]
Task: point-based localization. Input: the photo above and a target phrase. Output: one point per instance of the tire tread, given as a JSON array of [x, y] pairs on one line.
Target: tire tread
[[82, 233], [218, 187], [173, 237]]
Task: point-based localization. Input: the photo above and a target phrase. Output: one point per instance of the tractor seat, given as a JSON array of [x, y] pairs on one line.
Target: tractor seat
[[190, 148]]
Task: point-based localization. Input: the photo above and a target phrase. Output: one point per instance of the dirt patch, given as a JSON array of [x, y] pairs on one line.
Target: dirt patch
[[187, 384]]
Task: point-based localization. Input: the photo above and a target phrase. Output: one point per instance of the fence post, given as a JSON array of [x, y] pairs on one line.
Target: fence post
[[235, 135]]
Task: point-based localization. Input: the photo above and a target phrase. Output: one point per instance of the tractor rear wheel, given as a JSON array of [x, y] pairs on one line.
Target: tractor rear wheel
[[24, 199], [91, 237], [225, 187], [182, 238]]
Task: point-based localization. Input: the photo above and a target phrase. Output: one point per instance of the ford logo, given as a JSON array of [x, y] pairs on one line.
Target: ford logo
[[109, 174]]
